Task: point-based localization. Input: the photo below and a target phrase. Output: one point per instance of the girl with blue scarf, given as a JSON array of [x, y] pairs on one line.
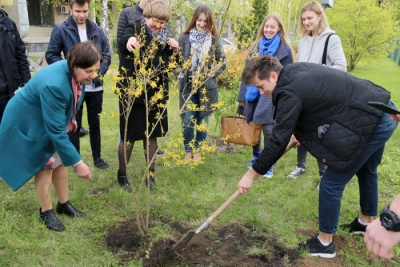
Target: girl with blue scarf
[[272, 40]]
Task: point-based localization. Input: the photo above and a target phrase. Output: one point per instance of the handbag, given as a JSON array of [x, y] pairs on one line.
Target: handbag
[[235, 129]]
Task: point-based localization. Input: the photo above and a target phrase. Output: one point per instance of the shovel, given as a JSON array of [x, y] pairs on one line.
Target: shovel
[[186, 238], [189, 235]]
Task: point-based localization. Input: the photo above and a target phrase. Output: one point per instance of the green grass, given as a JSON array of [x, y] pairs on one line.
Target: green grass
[[282, 207]]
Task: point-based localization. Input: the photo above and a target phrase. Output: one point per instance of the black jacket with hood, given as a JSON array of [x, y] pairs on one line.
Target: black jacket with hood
[[308, 96]]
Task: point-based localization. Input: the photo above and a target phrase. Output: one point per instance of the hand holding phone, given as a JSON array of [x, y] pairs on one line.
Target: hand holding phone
[[383, 107]]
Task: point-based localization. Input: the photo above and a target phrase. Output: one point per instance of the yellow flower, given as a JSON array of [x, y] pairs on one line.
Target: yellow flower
[[153, 84]]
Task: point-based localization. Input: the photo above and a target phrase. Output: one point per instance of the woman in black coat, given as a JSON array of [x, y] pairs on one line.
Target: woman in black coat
[[142, 105]]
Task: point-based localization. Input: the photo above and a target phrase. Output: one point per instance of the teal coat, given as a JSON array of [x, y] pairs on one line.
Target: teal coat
[[34, 125]]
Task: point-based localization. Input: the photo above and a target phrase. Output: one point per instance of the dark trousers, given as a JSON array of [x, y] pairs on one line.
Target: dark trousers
[[302, 159], [334, 182], [267, 131], [94, 103], [3, 104]]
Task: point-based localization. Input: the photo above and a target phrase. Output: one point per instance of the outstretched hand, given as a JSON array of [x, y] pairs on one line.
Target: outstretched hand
[[247, 180], [83, 171]]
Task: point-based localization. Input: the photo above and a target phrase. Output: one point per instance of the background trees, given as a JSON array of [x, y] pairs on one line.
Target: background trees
[[365, 28], [248, 25]]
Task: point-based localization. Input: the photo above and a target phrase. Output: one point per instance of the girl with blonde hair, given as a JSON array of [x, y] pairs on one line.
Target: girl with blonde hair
[[271, 39], [316, 33]]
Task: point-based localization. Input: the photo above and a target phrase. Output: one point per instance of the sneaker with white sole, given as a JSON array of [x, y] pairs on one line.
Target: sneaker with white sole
[[251, 162], [355, 227], [160, 153], [269, 173], [294, 174], [315, 248]]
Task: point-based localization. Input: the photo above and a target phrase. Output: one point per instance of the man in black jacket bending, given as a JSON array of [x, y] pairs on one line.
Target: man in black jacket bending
[[327, 112], [14, 66]]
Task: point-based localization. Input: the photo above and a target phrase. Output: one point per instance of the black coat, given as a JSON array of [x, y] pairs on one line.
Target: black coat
[[159, 62], [309, 95], [12, 54]]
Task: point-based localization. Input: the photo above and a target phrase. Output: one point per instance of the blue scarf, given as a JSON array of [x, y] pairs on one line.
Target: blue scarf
[[269, 47], [161, 35], [265, 47]]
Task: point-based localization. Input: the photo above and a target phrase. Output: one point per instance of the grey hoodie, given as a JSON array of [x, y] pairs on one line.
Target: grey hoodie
[[311, 50]]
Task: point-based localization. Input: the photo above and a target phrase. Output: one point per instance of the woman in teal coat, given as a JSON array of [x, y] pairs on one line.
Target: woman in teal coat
[[33, 133]]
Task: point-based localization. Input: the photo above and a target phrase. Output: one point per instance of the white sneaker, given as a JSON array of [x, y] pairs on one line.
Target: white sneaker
[[269, 173], [296, 173]]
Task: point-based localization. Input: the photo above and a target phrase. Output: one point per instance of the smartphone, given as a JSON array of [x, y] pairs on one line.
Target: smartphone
[[383, 107]]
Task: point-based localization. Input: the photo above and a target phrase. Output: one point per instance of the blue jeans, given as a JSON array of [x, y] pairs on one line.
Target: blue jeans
[[333, 182], [192, 118]]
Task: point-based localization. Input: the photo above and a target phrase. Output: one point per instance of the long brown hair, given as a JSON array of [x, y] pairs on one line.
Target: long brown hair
[[260, 33], [210, 20], [316, 8]]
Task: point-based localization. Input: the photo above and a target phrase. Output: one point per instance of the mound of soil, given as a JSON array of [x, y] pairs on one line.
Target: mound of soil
[[228, 245], [221, 146]]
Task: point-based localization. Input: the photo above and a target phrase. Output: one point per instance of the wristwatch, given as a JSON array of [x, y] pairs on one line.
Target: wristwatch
[[390, 220]]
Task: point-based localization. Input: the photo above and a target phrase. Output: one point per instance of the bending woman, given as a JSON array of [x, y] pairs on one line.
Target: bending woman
[[272, 40], [33, 134], [199, 42]]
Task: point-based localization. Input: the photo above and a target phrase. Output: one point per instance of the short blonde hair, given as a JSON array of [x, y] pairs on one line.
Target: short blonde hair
[[316, 8], [157, 9]]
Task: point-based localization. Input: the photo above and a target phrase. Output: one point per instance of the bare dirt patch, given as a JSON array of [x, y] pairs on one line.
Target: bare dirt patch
[[228, 245]]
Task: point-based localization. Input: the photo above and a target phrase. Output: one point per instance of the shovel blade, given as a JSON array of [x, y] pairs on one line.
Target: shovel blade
[[182, 242]]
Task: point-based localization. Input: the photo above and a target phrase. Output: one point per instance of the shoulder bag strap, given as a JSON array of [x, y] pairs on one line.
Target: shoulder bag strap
[[326, 49]]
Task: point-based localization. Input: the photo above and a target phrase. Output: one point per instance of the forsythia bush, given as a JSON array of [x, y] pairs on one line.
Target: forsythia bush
[[235, 60]]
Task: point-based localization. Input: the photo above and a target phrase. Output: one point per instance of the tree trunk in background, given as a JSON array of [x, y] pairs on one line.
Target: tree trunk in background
[[104, 24], [93, 13]]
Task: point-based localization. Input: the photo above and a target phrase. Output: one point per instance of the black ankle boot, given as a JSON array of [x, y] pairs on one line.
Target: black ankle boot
[[51, 221], [123, 181], [69, 210]]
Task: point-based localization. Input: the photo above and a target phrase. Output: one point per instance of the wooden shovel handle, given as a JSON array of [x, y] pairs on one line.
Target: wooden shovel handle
[[291, 145], [236, 194], [223, 206]]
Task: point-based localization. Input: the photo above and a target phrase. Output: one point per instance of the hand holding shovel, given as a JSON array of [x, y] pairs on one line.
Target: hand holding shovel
[[189, 235]]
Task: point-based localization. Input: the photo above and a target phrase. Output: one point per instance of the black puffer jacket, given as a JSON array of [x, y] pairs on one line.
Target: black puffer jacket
[[309, 95], [126, 18]]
